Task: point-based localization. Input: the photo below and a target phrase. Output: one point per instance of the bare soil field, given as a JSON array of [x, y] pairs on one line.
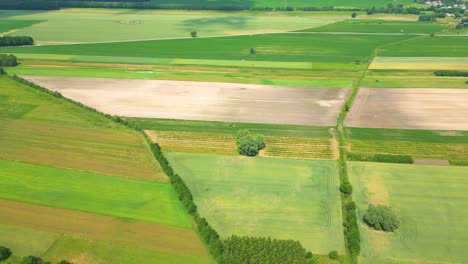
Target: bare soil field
[[422, 108], [202, 100]]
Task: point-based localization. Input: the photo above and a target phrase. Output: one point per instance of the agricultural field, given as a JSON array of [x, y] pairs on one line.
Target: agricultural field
[[13, 25], [203, 101], [216, 143], [436, 109], [431, 202], [104, 25], [427, 46], [420, 144], [380, 26], [419, 63], [245, 196]]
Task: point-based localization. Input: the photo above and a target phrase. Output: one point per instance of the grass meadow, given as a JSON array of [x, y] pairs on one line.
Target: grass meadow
[[95, 25], [282, 198], [380, 26], [437, 46], [93, 193], [42, 129], [13, 25], [333, 52], [431, 202]]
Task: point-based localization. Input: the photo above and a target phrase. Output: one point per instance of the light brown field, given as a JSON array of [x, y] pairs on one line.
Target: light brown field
[[143, 234], [202, 100], [422, 108]]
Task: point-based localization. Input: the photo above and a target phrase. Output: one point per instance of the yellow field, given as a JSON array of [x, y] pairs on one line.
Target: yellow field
[[419, 63], [284, 147]]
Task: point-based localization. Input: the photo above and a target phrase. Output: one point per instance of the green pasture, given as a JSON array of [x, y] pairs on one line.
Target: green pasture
[[104, 252], [228, 127], [25, 241], [281, 198], [90, 192], [433, 206], [95, 25], [436, 46], [39, 128], [333, 51], [376, 81], [380, 26], [8, 25]]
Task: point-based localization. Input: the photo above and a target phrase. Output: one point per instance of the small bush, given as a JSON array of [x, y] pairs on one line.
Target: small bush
[[4, 253], [308, 255], [9, 60], [346, 188], [404, 159], [253, 51], [381, 217], [333, 254], [459, 162], [194, 34], [64, 262], [354, 15], [31, 260]]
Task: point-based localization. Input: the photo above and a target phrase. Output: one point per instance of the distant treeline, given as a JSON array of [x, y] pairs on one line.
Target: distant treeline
[[208, 5], [16, 41], [451, 73]]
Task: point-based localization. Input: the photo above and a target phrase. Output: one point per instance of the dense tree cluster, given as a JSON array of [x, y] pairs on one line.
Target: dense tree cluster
[[15, 41], [258, 250], [249, 144], [4, 253], [8, 60], [381, 217], [351, 229]]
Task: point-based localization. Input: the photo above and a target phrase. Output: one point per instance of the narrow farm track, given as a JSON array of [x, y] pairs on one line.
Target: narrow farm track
[[340, 134]]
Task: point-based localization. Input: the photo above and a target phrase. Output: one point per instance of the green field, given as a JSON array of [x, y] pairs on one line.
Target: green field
[[415, 81], [332, 52], [260, 196], [436, 46], [94, 25], [9, 25], [229, 127], [90, 192], [380, 26], [432, 203], [39, 128]]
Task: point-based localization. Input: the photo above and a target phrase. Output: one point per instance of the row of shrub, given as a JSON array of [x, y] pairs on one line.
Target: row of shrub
[[387, 158], [351, 229], [16, 41], [451, 73], [8, 60], [6, 253], [458, 162]]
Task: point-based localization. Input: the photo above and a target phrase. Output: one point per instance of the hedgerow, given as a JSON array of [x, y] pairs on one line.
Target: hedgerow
[[387, 158], [451, 73]]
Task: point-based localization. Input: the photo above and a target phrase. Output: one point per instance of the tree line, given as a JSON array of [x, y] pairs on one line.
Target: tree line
[[387, 158], [16, 41], [6, 253]]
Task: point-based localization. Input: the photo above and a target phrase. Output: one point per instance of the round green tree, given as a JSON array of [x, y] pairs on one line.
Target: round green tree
[[381, 217]]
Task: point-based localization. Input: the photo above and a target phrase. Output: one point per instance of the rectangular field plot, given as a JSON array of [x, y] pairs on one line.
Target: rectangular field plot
[[42, 225], [437, 109], [216, 143], [203, 100], [288, 199], [420, 144], [420, 63], [113, 196], [432, 203]]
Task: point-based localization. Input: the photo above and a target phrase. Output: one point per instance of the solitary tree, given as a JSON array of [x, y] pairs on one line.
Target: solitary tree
[[333, 254], [253, 51], [354, 15], [194, 34], [248, 144], [381, 217]]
